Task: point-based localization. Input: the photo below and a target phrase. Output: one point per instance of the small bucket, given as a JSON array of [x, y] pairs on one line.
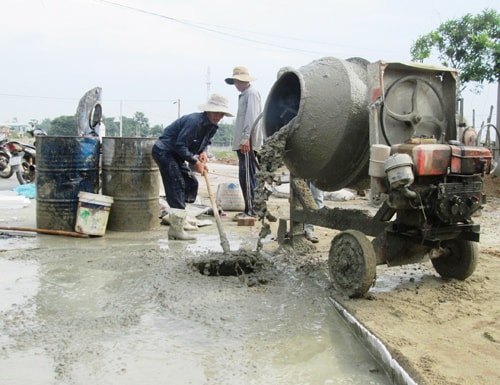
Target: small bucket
[[92, 213]]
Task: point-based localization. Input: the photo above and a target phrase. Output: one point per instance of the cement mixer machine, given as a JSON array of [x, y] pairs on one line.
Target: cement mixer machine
[[388, 127]]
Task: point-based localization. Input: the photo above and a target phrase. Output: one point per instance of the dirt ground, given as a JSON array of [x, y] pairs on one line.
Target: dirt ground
[[442, 332]]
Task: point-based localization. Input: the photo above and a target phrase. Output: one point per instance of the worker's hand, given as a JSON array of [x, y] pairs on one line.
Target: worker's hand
[[200, 167], [245, 147], [203, 157]]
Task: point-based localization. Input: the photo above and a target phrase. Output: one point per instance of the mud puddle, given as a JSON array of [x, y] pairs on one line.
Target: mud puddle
[[122, 315]]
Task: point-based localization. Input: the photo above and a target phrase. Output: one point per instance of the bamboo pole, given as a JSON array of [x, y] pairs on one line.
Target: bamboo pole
[[47, 231]]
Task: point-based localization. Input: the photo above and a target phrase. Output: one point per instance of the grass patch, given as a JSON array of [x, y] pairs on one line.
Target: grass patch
[[223, 153]]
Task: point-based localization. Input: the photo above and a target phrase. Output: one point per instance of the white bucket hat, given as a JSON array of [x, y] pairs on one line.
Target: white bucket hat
[[240, 73], [216, 103]]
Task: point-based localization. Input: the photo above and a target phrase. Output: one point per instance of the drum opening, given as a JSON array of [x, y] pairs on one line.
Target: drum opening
[[283, 102]]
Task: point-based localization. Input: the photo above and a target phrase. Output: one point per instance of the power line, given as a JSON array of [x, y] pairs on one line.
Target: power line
[[37, 97], [213, 29], [73, 99]]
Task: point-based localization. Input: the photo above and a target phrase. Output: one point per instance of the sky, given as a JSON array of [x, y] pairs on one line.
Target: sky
[[164, 57]]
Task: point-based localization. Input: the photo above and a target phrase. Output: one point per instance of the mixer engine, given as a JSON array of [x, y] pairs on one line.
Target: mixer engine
[[441, 183]]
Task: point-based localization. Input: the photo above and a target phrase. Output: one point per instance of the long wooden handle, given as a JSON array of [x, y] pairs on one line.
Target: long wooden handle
[[223, 238], [47, 231], [210, 195]]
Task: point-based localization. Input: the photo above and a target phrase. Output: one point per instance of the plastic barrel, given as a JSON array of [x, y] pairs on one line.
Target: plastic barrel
[[65, 166], [131, 176]]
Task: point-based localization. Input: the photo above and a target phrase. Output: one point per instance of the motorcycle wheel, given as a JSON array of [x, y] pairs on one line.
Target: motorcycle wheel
[[24, 173], [5, 166]]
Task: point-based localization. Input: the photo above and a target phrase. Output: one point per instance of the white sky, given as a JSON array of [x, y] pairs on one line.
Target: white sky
[[53, 51]]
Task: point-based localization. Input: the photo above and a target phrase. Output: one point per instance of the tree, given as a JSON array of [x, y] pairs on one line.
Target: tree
[[112, 127], [63, 126], [128, 127], [224, 135], [155, 131], [45, 125], [141, 124], [138, 126], [470, 44]]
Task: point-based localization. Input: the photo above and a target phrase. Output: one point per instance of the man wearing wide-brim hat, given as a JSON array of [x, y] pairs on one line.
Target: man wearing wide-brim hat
[[248, 135], [184, 142]]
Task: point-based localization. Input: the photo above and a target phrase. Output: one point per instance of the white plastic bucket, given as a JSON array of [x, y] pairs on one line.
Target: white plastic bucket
[[93, 213]]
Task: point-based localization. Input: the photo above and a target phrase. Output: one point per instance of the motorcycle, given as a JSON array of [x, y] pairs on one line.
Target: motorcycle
[[22, 160], [6, 170]]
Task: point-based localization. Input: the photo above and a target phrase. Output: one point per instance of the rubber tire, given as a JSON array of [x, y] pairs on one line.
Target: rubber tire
[[461, 261], [7, 171], [352, 263], [22, 172]]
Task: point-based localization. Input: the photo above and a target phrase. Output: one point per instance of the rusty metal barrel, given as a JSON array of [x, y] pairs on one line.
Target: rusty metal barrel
[[131, 176], [330, 142], [65, 166]]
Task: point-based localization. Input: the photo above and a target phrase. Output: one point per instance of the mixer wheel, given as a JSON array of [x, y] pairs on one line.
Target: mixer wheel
[[413, 107], [352, 263], [459, 259]]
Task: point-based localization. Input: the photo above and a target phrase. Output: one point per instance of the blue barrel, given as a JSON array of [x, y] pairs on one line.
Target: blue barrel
[[131, 176], [65, 165]]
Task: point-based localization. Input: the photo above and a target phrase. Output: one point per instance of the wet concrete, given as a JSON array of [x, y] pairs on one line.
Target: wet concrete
[[129, 308]]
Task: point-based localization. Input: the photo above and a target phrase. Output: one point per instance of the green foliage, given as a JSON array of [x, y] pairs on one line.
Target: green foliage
[[155, 131], [470, 44], [223, 154], [45, 125], [224, 135], [128, 127], [141, 124], [63, 126], [138, 126], [112, 127]]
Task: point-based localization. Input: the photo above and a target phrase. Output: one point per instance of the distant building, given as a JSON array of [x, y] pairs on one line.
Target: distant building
[[20, 128]]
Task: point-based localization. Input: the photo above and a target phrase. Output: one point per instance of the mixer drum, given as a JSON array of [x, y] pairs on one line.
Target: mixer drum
[[330, 142]]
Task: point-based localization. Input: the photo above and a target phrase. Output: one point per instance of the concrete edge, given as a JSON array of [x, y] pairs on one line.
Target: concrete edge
[[396, 373]]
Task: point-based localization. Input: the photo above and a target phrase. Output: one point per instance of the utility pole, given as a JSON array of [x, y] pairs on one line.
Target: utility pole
[[178, 102], [121, 118], [498, 113], [208, 83]]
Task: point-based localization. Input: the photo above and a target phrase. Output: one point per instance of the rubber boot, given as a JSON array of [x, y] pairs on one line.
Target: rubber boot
[[177, 219], [190, 224]]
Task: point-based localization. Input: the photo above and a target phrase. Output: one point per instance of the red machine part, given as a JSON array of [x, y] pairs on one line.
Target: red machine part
[[470, 160], [440, 159]]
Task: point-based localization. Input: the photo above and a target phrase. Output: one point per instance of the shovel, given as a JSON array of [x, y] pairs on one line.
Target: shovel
[[223, 238]]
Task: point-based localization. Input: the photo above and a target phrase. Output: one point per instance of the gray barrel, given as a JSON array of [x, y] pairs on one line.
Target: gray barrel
[[65, 166], [328, 98], [131, 176]]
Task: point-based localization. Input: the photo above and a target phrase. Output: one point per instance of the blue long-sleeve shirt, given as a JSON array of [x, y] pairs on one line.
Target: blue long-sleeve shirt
[[188, 136]]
